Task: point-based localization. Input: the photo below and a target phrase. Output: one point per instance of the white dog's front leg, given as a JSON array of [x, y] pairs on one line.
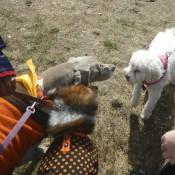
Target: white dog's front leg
[[136, 95], [153, 96]]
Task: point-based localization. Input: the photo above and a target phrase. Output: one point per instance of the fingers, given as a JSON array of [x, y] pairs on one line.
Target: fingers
[[166, 155], [165, 151], [163, 147], [162, 138], [168, 146]]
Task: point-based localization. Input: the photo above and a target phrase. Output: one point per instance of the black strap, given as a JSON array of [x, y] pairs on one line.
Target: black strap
[[21, 101], [25, 97]]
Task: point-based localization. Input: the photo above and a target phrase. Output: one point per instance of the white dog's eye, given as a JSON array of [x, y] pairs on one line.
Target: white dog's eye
[[136, 71]]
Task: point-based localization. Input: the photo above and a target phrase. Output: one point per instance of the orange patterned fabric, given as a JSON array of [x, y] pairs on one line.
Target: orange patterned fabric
[[30, 133], [81, 159]]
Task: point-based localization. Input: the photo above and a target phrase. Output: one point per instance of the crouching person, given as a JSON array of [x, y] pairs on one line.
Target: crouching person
[[7, 74], [72, 151]]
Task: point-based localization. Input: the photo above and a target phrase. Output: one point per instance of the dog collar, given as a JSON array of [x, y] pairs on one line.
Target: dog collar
[[164, 60]]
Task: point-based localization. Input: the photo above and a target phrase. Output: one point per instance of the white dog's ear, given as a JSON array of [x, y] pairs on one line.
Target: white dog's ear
[[155, 70]]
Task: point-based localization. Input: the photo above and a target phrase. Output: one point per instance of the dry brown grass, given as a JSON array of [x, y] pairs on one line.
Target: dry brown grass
[[51, 31]]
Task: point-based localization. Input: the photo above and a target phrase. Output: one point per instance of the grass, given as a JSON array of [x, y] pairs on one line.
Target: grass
[[110, 45], [51, 32]]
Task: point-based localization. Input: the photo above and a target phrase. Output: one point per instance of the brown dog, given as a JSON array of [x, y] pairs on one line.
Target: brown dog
[[72, 152]]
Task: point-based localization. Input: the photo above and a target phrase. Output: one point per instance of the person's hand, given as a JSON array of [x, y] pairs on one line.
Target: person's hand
[[7, 86], [168, 146]]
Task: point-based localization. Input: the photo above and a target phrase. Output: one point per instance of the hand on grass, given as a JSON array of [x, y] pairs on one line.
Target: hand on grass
[[168, 146]]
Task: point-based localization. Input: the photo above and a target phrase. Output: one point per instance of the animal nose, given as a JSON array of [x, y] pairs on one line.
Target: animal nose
[[113, 68], [127, 77]]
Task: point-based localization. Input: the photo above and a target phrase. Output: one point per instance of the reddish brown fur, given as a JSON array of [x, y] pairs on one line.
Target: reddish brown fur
[[77, 95]]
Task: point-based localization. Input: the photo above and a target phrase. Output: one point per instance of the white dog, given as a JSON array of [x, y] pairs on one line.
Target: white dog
[[152, 69]]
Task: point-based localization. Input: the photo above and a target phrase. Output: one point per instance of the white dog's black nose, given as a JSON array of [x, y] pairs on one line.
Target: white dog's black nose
[[127, 77]]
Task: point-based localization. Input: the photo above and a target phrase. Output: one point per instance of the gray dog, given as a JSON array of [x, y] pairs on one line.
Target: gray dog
[[78, 70]]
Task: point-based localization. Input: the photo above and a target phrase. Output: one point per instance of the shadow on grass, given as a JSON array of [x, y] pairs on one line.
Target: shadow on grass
[[30, 163], [144, 140]]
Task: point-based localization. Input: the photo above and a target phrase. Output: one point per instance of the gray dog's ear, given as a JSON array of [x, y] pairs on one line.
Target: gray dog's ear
[[77, 77]]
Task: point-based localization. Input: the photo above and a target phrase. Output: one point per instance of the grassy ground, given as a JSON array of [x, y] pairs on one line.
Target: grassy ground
[[52, 31]]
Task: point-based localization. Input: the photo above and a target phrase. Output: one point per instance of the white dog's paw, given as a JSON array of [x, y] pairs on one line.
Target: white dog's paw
[[145, 115]]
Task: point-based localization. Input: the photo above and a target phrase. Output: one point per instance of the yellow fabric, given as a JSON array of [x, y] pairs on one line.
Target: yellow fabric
[[29, 81]]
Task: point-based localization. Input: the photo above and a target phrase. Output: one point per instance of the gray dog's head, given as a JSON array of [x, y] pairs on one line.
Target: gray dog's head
[[90, 69]]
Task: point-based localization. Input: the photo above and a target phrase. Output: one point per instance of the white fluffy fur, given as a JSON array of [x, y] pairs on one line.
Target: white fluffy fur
[[63, 115], [145, 65]]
